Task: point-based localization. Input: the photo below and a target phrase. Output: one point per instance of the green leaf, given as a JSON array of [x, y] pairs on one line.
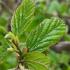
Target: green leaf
[[36, 61], [63, 9], [46, 34], [54, 7], [23, 18]]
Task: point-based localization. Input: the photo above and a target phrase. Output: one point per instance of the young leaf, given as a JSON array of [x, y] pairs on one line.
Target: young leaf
[[47, 34], [22, 18], [36, 61]]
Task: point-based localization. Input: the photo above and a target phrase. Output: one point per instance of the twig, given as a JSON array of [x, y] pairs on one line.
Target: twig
[[62, 46], [10, 11]]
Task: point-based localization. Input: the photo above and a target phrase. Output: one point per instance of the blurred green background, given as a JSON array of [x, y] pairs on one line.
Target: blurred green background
[[59, 55]]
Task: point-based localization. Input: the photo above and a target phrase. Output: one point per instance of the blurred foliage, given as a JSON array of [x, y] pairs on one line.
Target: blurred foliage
[[58, 61], [44, 9]]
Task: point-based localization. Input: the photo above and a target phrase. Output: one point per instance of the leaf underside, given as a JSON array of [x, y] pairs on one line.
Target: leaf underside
[[48, 33], [36, 61]]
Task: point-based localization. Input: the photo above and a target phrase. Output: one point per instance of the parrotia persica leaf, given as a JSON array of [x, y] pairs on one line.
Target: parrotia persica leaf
[[23, 18], [36, 61], [46, 34]]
